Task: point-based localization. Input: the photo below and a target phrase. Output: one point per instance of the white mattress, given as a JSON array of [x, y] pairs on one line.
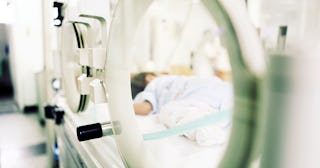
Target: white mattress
[[178, 151]]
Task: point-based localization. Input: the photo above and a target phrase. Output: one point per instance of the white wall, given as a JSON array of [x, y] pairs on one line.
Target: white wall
[[171, 32], [26, 49]]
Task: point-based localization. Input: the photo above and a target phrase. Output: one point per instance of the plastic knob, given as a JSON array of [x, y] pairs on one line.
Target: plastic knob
[[58, 20], [49, 111], [59, 113], [88, 132]]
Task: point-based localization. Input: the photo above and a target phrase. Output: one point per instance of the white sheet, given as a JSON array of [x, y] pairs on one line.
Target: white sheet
[[171, 152], [177, 151], [181, 112]]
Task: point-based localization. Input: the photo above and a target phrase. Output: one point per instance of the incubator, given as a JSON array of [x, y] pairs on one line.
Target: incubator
[[122, 47], [81, 98], [103, 44], [120, 69], [289, 37]]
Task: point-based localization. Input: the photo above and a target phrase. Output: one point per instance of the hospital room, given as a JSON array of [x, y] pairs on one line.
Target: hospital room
[[159, 84]]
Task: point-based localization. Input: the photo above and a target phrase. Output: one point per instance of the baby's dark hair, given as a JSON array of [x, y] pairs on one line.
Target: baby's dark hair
[[138, 83]]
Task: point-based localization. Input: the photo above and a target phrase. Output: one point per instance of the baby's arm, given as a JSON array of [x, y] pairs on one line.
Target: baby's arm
[[142, 108], [146, 102]]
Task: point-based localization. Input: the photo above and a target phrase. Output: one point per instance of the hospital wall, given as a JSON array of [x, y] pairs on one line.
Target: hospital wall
[[26, 43], [178, 36]]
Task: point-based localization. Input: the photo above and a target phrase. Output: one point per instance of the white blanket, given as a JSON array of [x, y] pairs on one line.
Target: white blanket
[[181, 112], [177, 151]]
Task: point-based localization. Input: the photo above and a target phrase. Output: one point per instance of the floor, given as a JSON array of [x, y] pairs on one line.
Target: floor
[[22, 138]]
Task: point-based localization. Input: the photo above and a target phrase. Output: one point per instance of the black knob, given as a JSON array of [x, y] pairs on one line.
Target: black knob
[[59, 113], [60, 14], [283, 30], [49, 111], [88, 132]]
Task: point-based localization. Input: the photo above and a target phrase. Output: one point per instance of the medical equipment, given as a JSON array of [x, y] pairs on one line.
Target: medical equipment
[[92, 131], [288, 36], [117, 78], [84, 35], [282, 38], [90, 84], [90, 32], [250, 68], [248, 65], [289, 83], [292, 91]]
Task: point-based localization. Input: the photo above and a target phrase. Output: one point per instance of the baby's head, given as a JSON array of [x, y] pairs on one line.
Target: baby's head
[[140, 81]]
